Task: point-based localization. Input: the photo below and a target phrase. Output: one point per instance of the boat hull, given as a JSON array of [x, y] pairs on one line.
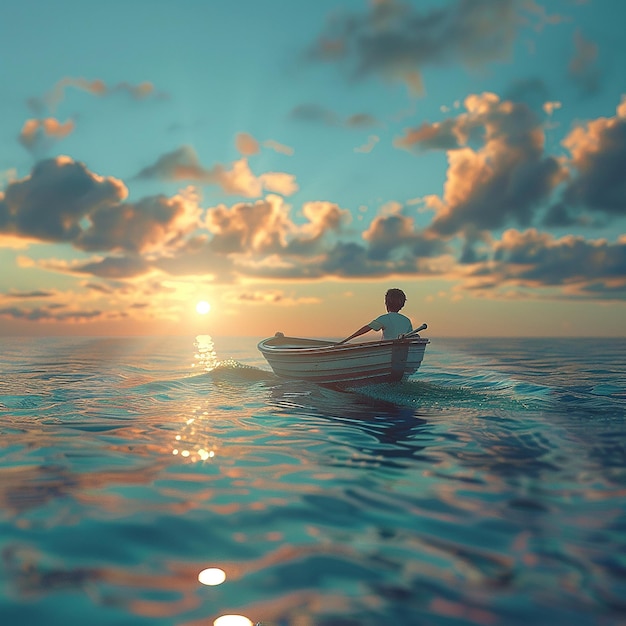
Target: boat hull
[[328, 363]]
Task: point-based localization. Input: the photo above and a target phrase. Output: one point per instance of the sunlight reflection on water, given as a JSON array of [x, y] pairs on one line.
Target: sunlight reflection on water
[[232, 620], [212, 576], [206, 357]]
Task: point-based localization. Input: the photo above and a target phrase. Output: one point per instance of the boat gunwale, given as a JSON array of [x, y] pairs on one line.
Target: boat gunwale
[[332, 347]]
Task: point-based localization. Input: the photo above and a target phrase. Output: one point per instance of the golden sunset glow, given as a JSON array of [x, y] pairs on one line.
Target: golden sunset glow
[[471, 188], [203, 307]]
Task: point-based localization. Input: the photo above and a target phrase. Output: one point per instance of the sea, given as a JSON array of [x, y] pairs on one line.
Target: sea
[[153, 481]]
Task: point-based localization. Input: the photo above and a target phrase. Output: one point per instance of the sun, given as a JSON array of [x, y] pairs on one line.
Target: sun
[[203, 307]]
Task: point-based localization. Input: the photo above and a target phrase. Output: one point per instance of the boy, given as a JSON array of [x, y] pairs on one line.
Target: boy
[[392, 323]]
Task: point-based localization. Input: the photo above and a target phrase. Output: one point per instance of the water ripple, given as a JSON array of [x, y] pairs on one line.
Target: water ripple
[[490, 488]]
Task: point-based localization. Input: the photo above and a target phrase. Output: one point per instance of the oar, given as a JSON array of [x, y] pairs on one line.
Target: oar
[[414, 332]]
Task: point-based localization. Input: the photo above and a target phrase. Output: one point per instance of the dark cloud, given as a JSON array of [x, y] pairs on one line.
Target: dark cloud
[[394, 237], [598, 158], [446, 135], [395, 40], [62, 201], [531, 91], [536, 256], [146, 225], [51, 203], [27, 295], [98, 287], [319, 115], [351, 259], [499, 174], [109, 267], [49, 314], [580, 267], [560, 216], [183, 164], [505, 179]]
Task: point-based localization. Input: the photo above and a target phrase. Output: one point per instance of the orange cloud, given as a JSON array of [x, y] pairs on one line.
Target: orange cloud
[[276, 297], [278, 147], [259, 227], [323, 217], [183, 164], [279, 182], [598, 156], [95, 87], [149, 225], [497, 170], [246, 144], [36, 134]]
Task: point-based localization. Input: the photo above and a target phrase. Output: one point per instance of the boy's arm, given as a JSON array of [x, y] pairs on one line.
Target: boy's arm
[[358, 333]]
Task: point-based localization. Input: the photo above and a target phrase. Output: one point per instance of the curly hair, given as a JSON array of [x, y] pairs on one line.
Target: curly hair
[[395, 299]]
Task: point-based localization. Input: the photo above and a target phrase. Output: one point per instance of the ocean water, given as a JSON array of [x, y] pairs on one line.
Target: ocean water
[[489, 489]]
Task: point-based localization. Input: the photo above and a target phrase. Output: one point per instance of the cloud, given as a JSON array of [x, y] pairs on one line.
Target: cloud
[[95, 87], [278, 147], [275, 297], [361, 120], [583, 68], [27, 295], [52, 201], [541, 17], [149, 225], [7, 176], [394, 236], [598, 161], [183, 164], [505, 178], [531, 91], [37, 135], [394, 40], [62, 201], [372, 140], [498, 172], [279, 182], [551, 106], [313, 237], [314, 113], [446, 135], [246, 144], [122, 267], [534, 260], [51, 314], [259, 227]]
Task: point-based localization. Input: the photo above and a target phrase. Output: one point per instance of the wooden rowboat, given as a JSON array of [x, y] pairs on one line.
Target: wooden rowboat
[[330, 363]]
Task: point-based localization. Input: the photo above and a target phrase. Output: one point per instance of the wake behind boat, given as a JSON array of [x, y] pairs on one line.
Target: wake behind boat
[[329, 363]]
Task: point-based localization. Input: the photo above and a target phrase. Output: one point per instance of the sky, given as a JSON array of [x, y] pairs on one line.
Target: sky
[[287, 162]]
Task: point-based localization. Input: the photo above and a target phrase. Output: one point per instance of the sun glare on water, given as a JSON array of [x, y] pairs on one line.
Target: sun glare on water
[[203, 307]]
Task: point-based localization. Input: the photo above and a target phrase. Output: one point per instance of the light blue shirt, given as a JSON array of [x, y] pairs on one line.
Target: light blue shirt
[[392, 324]]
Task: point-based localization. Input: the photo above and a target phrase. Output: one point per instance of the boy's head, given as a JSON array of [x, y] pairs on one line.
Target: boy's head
[[394, 300]]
